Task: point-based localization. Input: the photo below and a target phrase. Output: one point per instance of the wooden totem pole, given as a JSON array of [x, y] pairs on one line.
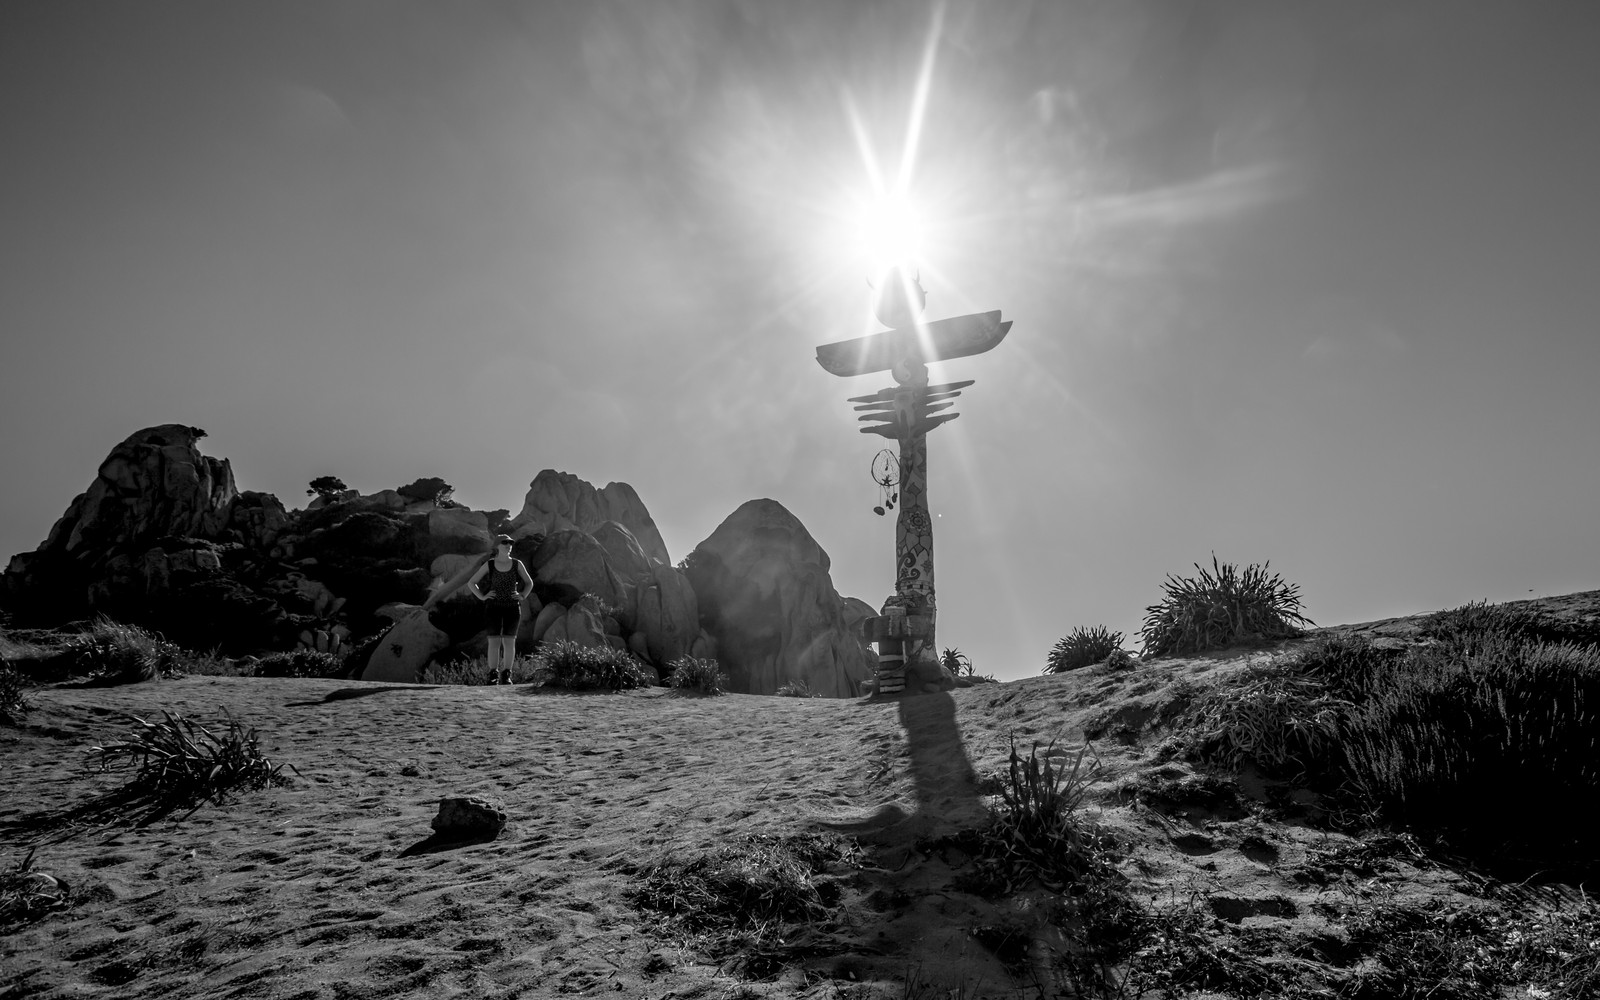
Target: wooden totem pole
[[905, 412]]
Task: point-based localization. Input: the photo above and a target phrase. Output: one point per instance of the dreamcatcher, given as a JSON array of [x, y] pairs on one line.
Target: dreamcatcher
[[886, 473]]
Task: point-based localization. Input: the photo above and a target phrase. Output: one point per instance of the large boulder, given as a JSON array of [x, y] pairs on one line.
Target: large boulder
[[406, 649], [667, 615], [155, 485], [571, 563], [559, 501], [766, 597]]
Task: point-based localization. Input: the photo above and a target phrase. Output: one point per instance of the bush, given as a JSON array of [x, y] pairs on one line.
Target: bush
[[1217, 609], [178, 762], [109, 652], [14, 706], [1492, 712], [580, 668], [1082, 648], [796, 689], [300, 663], [692, 674], [26, 894]]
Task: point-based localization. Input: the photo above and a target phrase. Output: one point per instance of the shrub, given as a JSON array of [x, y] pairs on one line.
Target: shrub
[[178, 762], [796, 689], [1221, 607], [1082, 648], [431, 488], [26, 894], [1496, 712], [692, 674], [14, 706], [300, 663], [109, 652], [579, 668], [958, 663]]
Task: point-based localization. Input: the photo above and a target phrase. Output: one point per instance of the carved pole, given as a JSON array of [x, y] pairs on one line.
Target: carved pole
[[914, 525], [905, 631]]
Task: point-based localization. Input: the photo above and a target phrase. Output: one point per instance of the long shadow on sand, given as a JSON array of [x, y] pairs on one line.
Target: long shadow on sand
[[345, 694], [945, 783]]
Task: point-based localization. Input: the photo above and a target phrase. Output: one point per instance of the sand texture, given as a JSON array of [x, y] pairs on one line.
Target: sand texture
[[330, 887]]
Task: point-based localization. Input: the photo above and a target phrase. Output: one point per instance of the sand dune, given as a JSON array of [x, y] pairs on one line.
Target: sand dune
[[330, 888]]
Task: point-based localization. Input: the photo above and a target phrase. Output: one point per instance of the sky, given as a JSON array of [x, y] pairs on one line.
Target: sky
[[1307, 283]]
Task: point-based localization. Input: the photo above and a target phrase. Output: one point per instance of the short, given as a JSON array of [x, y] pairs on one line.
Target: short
[[501, 617]]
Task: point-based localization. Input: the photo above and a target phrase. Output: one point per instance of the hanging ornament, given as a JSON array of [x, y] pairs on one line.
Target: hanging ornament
[[886, 474]]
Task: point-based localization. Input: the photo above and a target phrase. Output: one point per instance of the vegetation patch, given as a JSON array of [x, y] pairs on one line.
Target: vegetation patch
[[1083, 647], [300, 663], [14, 705], [1221, 607], [109, 652], [796, 689], [1413, 735], [474, 671], [743, 903], [586, 668], [28, 894], [177, 763], [693, 674]]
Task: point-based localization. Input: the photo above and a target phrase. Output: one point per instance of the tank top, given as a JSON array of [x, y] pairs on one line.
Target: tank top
[[501, 584]]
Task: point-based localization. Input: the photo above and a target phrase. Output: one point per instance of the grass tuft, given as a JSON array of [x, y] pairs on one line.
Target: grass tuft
[[474, 671], [796, 689], [28, 894], [694, 674], [1219, 608], [179, 763], [1082, 648], [300, 663]]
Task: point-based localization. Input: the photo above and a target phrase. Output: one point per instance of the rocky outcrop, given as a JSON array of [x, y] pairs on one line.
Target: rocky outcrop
[[163, 538], [766, 597], [559, 501]]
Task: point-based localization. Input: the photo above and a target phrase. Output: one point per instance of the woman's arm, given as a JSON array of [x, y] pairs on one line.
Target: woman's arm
[[472, 584]]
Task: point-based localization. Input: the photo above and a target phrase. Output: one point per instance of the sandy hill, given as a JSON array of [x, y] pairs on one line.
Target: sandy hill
[[330, 886]]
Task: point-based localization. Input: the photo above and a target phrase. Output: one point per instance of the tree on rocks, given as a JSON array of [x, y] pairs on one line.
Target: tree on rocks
[[326, 487], [432, 488]]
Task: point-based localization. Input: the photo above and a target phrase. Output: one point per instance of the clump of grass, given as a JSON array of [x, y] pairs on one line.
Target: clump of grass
[[14, 705], [742, 897], [691, 673], [474, 671], [1482, 618], [178, 763], [797, 688], [581, 668], [1221, 607], [1082, 648], [27, 894], [1413, 951], [300, 663], [109, 652], [1270, 715]]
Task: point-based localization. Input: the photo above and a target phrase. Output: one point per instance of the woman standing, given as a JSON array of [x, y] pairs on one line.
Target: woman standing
[[505, 585]]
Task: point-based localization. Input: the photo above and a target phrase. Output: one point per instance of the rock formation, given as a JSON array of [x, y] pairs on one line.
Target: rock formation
[[162, 538], [765, 595], [560, 501]]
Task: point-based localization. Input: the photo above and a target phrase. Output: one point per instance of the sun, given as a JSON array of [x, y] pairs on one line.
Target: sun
[[891, 233]]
